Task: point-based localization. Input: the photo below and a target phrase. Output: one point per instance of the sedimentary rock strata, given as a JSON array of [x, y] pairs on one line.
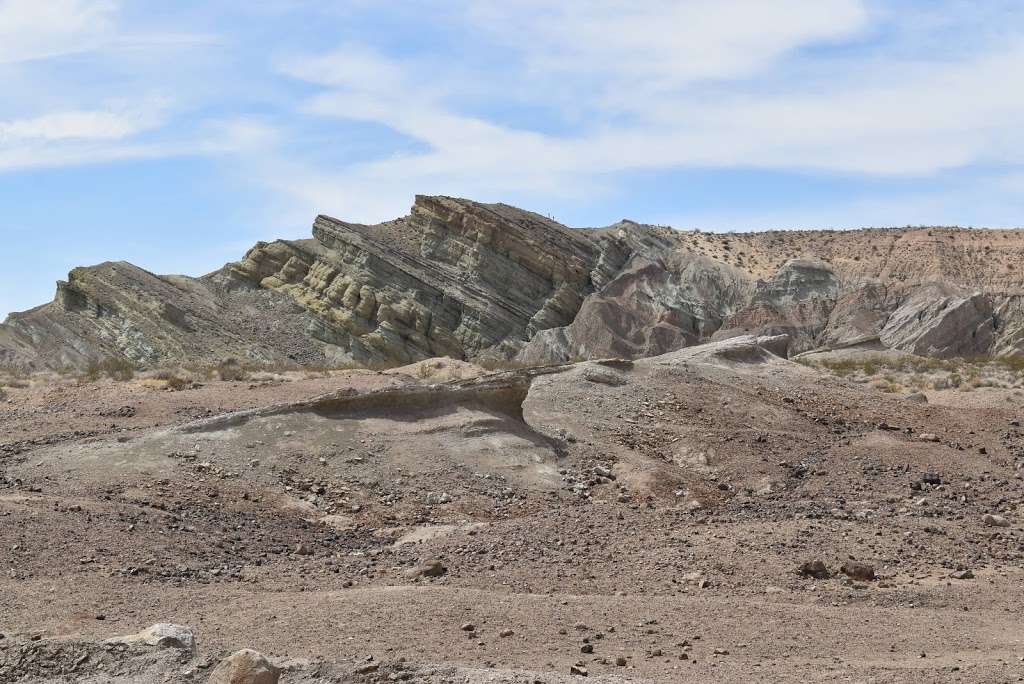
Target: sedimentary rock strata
[[468, 280]]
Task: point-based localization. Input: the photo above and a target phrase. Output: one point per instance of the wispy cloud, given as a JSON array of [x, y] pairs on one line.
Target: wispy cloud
[[534, 100], [78, 125], [30, 29], [664, 85]]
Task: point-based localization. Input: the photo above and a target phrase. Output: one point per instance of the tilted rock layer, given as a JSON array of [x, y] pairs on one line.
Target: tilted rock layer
[[469, 280]]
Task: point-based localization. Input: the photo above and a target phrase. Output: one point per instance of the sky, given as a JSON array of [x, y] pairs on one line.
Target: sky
[[175, 135]]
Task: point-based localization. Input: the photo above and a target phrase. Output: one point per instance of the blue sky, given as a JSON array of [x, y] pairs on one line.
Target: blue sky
[[174, 135]]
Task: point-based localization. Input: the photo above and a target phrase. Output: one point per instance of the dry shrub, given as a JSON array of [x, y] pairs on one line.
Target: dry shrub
[[231, 370], [116, 368], [424, 371], [173, 379]]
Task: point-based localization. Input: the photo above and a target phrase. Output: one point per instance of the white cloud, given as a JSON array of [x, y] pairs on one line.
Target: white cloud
[[36, 29], [77, 138], [662, 44], [84, 125], [661, 85]]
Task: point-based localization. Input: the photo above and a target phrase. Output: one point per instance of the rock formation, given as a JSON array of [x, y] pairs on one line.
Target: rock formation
[[468, 280]]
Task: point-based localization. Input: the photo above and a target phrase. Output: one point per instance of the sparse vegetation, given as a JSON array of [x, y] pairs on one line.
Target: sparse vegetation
[[894, 374], [116, 368], [231, 370]]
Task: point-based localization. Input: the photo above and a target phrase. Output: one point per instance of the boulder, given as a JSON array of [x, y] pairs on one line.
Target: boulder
[[815, 569], [245, 667], [858, 570], [430, 568], [993, 520], [161, 635]]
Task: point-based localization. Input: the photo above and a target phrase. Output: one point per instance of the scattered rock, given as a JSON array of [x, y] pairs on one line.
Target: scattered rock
[[438, 498], [993, 520], [578, 670], [917, 398], [928, 437], [430, 568], [858, 570], [161, 635], [245, 667], [815, 569], [604, 377]]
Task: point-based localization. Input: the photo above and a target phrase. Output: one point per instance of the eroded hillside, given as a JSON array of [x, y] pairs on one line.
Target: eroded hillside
[[467, 280]]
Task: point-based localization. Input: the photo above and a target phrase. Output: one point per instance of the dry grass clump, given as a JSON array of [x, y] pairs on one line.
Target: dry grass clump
[[894, 374], [172, 379], [117, 368], [231, 370], [495, 364]]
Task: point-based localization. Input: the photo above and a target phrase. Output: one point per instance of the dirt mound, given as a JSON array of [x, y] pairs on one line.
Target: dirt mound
[[440, 370]]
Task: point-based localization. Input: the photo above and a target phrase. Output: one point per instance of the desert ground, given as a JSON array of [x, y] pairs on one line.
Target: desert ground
[[718, 513]]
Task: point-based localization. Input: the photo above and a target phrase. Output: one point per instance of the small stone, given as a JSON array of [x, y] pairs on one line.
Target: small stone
[[505, 633], [430, 568], [578, 670], [858, 570], [304, 550], [721, 651], [587, 648], [917, 398], [245, 667], [995, 520], [621, 661], [815, 569], [468, 627], [367, 668], [963, 574], [928, 437]]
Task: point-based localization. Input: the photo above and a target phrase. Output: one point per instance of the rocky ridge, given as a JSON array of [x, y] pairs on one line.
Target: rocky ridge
[[468, 280]]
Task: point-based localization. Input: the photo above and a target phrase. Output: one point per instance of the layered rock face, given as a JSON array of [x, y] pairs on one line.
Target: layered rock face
[[469, 280]]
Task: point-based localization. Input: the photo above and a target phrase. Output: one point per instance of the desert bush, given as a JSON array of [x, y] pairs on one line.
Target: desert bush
[[116, 368], [231, 370], [423, 371], [176, 383], [174, 379], [1014, 364]]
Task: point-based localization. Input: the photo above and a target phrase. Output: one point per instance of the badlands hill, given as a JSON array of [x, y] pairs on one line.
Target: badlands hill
[[468, 280]]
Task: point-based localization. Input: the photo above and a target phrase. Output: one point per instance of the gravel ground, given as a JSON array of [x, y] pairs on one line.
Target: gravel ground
[[517, 526]]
